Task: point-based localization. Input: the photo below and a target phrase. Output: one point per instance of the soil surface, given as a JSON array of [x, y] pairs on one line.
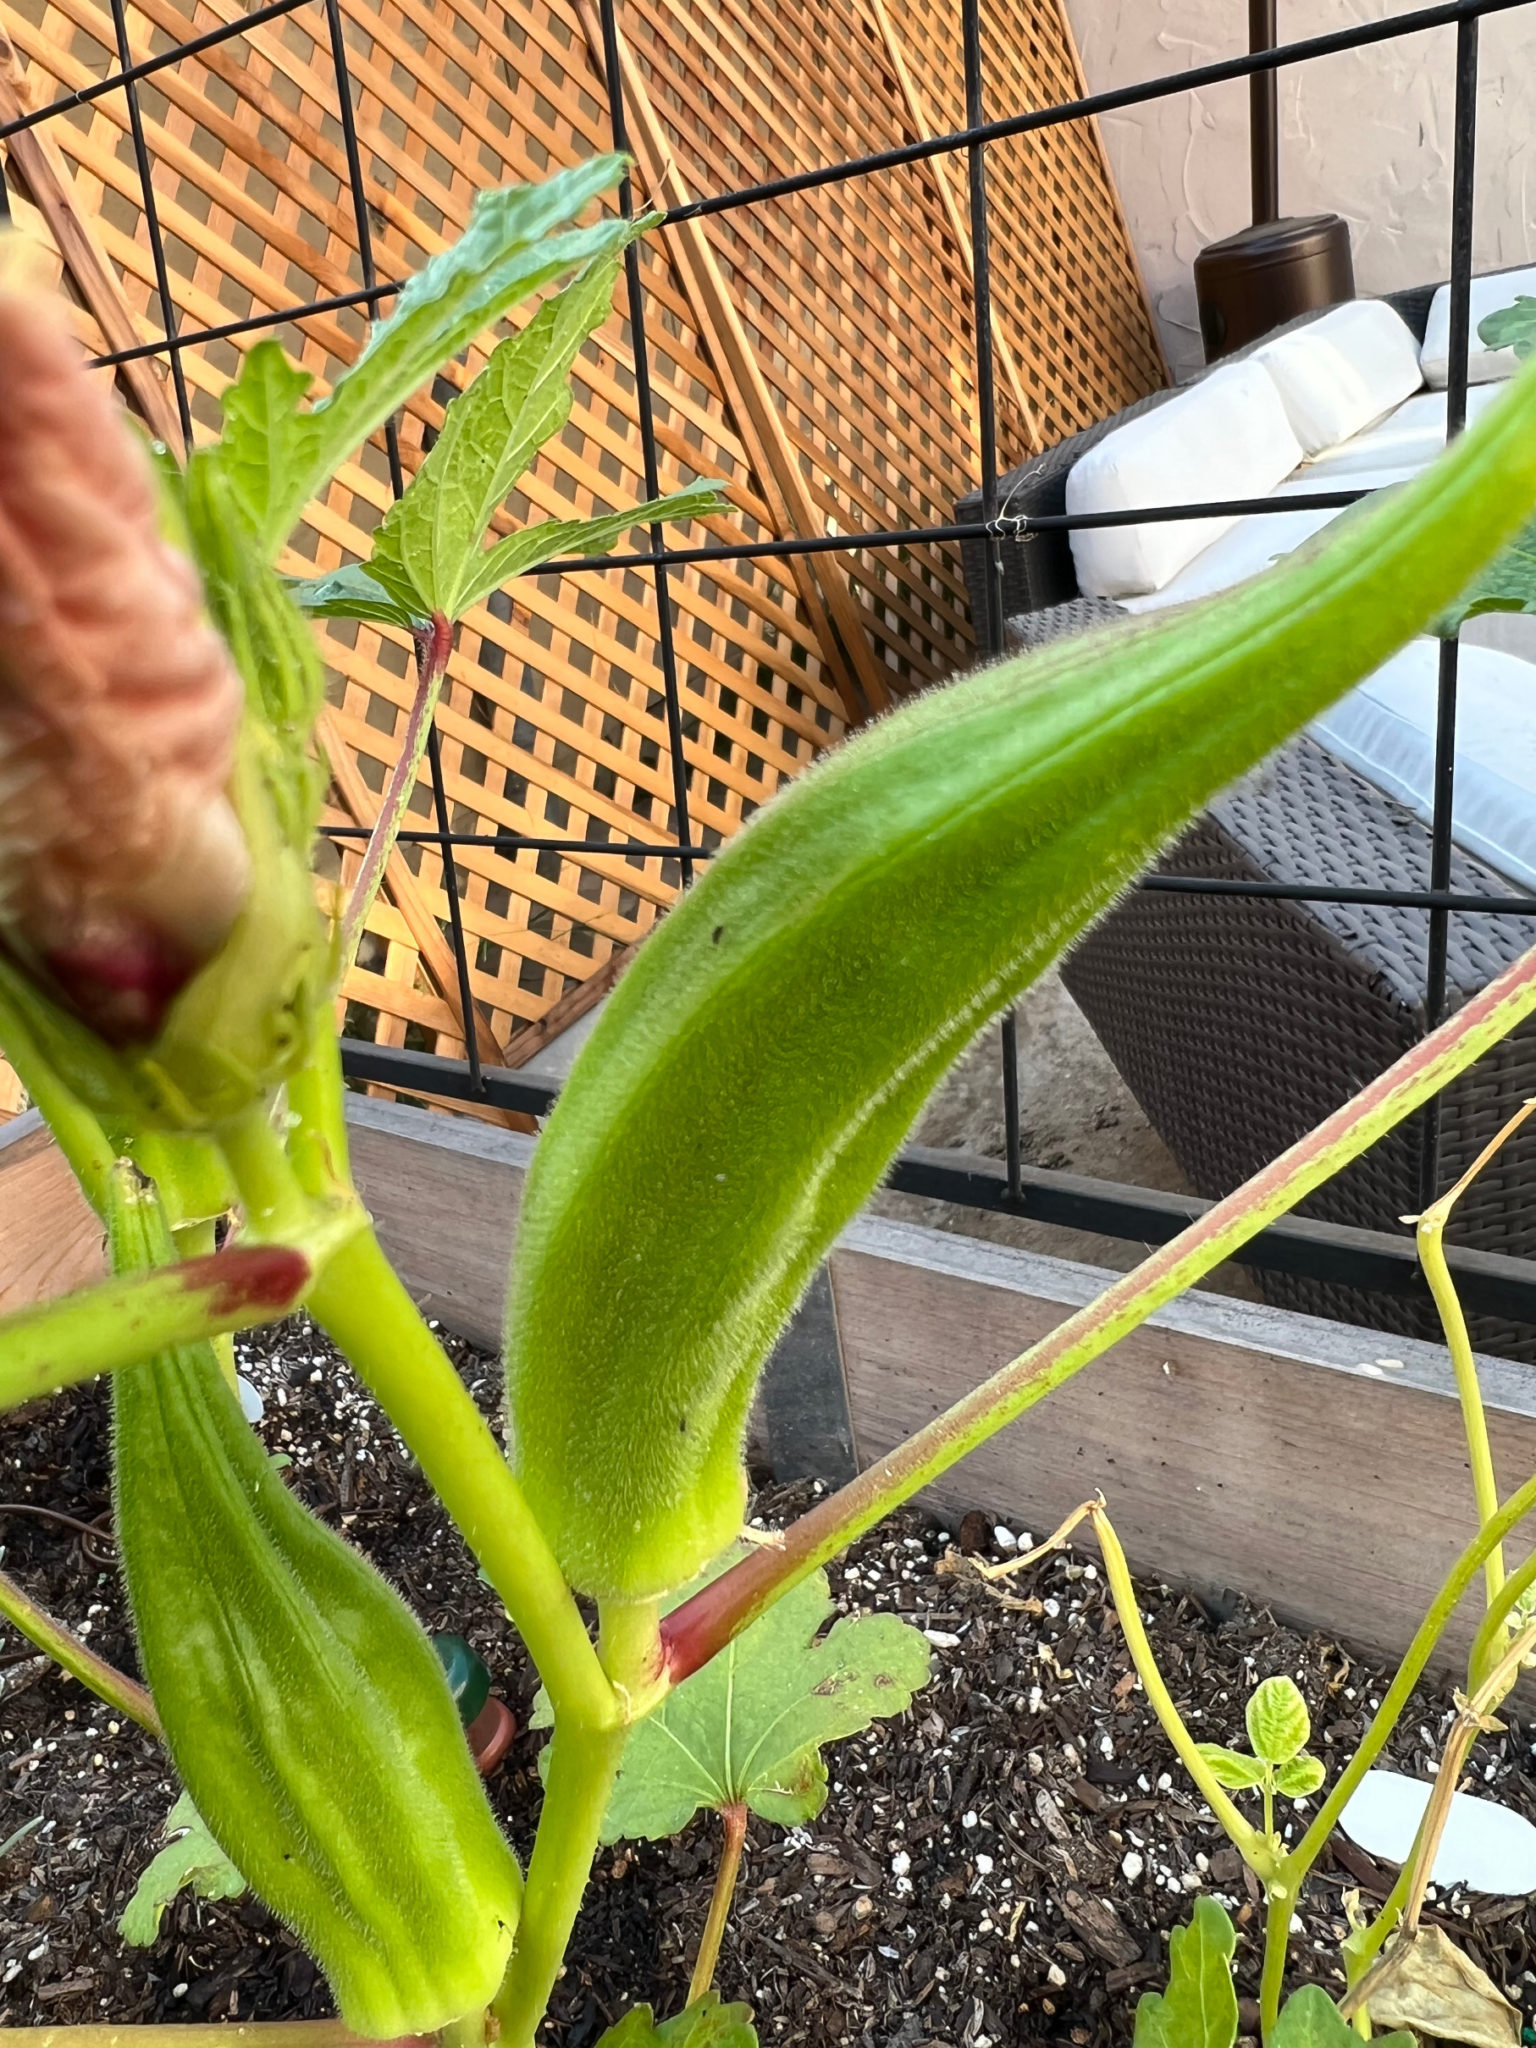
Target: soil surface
[[1001, 1865]]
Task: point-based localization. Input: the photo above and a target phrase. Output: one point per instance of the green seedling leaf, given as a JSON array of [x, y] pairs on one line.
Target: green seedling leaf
[[1511, 327], [554, 537], [1231, 1768], [1278, 1722], [351, 593], [775, 1038], [303, 1706], [1301, 1777], [279, 457], [191, 1860], [1199, 2008], [427, 551], [705, 2024], [1310, 2019], [749, 1728]]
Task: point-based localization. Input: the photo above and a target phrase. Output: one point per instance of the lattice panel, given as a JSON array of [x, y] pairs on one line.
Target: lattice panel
[[855, 302]]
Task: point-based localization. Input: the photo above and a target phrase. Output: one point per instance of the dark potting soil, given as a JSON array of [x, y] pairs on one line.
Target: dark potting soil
[[1001, 1865]]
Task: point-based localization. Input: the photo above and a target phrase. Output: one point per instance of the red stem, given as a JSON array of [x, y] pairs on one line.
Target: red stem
[[434, 644], [702, 1626]]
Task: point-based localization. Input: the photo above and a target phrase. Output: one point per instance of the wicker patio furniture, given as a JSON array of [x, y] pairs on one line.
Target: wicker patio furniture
[[1239, 1022]]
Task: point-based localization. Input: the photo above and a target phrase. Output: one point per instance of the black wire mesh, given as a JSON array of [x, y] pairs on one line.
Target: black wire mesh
[[1117, 1211]]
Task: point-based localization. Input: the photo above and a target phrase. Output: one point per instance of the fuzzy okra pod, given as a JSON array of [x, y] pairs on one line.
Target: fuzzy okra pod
[[760, 1063], [303, 1706]]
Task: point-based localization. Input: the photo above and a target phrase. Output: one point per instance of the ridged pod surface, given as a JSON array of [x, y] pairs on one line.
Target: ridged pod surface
[[303, 1706], [759, 1065]]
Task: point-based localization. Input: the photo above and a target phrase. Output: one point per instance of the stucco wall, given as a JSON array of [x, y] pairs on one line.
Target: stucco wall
[[1366, 134]]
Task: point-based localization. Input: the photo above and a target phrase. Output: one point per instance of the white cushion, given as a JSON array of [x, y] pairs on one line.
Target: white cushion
[[1484, 365], [1409, 439], [1385, 730], [1342, 371], [1252, 544], [1226, 437]]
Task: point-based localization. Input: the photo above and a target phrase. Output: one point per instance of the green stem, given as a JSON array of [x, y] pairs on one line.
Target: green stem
[[130, 1317], [66, 1649], [702, 1625], [735, 1819], [317, 1099], [359, 1299], [277, 1209], [1362, 1950], [1250, 1845], [1305, 1854], [1485, 1486], [1281, 1904], [201, 1241], [1269, 1808], [79, 1136], [1487, 1644], [583, 1763]]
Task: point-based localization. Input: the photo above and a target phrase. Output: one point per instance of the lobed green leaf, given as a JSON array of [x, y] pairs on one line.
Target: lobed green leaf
[[760, 1063], [1199, 2008], [704, 2024], [279, 458], [1511, 327], [191, 1860], [748, 1730], [427, 549], [1310, 2019], [351, 593]]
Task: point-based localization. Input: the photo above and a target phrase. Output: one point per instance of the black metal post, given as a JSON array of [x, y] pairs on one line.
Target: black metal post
[[635, 287], [1264, 114], [152, 222], [1463, 188]]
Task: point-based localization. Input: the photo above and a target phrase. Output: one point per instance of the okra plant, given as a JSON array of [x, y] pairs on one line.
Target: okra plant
[[167, 996]]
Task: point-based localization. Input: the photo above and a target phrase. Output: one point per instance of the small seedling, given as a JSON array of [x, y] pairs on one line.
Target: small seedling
[[1279, 1728], [190, 1861]]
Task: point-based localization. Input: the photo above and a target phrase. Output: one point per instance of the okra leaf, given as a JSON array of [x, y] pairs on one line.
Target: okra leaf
[[554, 537], [705, 2024], [748, 1729], [351, 593], [762, 1059], [1231, 1768], [1278, 1722], [1511, 327], [510, 249], [191, 1859], [430, 541], [1507, 584], [1310, 2019], [1199, 2008]]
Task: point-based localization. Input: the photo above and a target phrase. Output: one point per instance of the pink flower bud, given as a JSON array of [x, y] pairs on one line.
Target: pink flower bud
[[122, 864]]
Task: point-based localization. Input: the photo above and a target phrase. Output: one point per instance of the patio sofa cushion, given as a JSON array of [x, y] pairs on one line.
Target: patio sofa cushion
[[1226, 437], [1409, 438], [1489, 295], [1385, 730], [1343, 371], [1252, 544]]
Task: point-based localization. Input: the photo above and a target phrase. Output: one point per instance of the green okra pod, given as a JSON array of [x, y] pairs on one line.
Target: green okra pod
[[303, 1706], [760, 1063]]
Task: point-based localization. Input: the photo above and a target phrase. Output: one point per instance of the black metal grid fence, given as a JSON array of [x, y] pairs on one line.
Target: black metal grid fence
[[1491, 1284]]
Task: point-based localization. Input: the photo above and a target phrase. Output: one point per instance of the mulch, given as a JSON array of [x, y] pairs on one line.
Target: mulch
[[1000, 1865]]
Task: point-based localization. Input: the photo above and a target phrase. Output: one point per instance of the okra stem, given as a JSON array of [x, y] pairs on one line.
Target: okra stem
[[583, 1763], [359, 1299], [54, 1640]]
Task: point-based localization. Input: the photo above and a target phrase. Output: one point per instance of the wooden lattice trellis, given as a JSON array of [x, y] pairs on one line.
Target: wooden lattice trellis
[[814, 353]]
